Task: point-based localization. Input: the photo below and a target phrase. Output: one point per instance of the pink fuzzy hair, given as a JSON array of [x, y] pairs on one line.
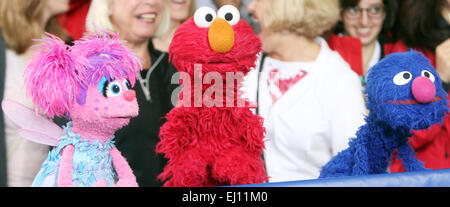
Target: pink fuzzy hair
[[117, 61], [52, 76], [57, 73]]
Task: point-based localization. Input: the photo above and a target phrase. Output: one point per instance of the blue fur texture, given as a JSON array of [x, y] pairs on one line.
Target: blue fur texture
[[391, 119]]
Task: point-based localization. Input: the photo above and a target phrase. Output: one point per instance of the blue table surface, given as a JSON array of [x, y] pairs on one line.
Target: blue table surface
[[429, 178]]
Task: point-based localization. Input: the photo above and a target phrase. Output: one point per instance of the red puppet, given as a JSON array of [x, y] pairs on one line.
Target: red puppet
[[208, 139]]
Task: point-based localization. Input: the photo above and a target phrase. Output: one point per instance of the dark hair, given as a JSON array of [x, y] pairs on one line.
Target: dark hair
[[390, 8], [419, 24]]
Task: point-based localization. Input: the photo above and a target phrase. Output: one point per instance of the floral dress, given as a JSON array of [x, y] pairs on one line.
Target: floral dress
[[91, 162]]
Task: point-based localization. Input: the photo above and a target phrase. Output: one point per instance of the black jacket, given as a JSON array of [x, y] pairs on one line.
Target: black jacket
[[2, 123], [137, 140]]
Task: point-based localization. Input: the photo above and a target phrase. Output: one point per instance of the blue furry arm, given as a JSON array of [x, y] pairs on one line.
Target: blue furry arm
[[409, 160], [362, 166]]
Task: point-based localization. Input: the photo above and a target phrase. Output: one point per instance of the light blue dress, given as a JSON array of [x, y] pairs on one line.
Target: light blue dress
[[91, 162]]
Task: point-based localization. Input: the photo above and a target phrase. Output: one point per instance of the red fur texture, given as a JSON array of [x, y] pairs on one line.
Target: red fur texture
[[190, 46], [212, 146]]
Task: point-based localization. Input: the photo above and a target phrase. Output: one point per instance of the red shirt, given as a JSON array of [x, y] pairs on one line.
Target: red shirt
[[74, 20], [350, 49]]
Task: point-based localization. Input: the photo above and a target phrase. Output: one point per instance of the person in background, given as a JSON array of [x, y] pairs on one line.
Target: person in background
[[180, 11], [240, 4], [425, 26], [309, 97], [21, 21], [2, 121], [364, 32], [137, 22], [216, 4], [74, 20]]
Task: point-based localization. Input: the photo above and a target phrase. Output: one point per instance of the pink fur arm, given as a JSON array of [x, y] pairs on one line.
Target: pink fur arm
[[124, 172], [65, 167]]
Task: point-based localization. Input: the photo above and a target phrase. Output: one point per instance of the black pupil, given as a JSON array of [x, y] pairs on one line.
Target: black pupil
[[406, 76], [116, 89], [427, 74], [229, 16], [209, 18], [128, 85]]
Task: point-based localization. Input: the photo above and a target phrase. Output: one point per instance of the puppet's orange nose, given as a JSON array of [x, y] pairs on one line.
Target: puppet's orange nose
[[221, 36]]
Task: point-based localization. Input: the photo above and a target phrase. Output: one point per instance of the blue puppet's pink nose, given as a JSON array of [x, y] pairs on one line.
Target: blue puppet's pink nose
[[423, 89]]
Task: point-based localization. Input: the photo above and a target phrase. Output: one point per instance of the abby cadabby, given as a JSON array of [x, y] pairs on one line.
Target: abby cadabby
[[89, 83]]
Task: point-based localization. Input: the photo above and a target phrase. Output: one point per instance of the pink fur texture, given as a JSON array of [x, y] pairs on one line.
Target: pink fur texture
[[211, 146], [65, 168], [72, 82], [100, 117], [108, 45], [54, 68]]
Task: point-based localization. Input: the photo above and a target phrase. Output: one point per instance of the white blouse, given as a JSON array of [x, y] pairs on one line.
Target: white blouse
[[313, 120], [24, 158]]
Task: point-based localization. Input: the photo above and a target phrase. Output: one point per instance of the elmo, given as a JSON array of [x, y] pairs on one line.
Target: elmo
[[219, 144]]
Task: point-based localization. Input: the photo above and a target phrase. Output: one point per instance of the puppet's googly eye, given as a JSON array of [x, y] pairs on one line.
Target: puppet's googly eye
[[204, 16], [428, 75], [229, 13], [402, 78], [127, 84], [113, 89]]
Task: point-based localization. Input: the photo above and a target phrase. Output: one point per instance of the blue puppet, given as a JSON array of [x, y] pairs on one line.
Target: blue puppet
[[404, 93]]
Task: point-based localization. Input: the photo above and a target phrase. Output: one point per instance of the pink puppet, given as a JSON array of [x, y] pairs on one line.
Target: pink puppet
[[90, 84]]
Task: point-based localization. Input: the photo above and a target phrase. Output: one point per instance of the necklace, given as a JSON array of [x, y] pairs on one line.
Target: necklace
[[145, 82]]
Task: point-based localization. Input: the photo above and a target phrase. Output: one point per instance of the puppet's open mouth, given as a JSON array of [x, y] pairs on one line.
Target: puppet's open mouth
[[405, 102]]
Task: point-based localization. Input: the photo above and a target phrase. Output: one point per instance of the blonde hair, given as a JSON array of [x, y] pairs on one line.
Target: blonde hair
[[98, 17], [19, 15], [309, 18]]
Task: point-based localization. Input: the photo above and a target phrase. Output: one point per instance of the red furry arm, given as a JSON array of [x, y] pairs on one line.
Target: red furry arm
[[124, 171], [253, 131], [178, 132], [65, 167]]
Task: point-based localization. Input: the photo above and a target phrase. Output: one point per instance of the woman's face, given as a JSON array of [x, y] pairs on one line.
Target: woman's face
[[179, 10], [364, 21], [136, 20], [55, 7], [256, 8]]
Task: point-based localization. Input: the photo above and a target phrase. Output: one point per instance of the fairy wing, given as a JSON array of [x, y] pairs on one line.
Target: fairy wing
[[34, 126]]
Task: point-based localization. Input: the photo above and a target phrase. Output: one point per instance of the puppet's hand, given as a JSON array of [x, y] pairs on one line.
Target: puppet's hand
[[124, 172], [100, 183], [408, 155], [65, 167], [126, 183]]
